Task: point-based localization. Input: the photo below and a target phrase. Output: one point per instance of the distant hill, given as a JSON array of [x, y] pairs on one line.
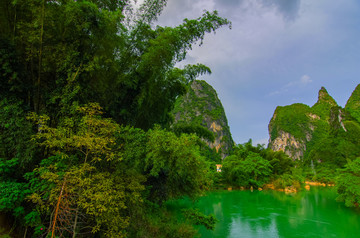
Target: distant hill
[[324, 133], [201, 108]]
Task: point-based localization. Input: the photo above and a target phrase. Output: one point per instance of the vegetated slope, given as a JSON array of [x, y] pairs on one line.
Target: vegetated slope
[[353, 104], [202, 107], [323, 134]]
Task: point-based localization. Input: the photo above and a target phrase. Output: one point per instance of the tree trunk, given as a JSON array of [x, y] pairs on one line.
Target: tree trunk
[[57, 211], [25, 232], [75, 223], [40, 57]]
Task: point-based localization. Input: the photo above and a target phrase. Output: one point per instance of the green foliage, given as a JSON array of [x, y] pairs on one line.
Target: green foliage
[[208, 103], [353, 104], [325, 175], [13, 191], [200, 131], [199, 108], [159, 222], [174, 165], [15, 132], [348, 184], [150, 80], [280, 162], [252, 171], [13, 195], [324, 104], [132, 147], [198, 218], [116, 57], [298, 174], [11, 82], [76, 169], [90, 135], [254, 166], [85, 173], [211, 155], [284, 181], [333, 147], [292, 119], [329, 133]]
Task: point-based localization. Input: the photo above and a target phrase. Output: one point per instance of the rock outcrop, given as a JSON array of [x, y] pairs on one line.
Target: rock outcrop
[[287, 143], [291, 128], [202, 107]]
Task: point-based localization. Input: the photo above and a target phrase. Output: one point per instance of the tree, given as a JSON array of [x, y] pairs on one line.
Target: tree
[[281, 163], [84, 176], [13, 191], [149, 85], [252, 171], [174, 166], [112, 50], [348, 184], [61, 60], [53, 39], [15, 132]]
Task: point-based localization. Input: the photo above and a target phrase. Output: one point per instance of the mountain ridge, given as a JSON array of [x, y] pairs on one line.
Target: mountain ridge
[[303, 132]]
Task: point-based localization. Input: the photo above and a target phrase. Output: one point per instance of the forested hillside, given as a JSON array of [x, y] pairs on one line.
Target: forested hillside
[[324, 137], [201, 111], [86, 94]]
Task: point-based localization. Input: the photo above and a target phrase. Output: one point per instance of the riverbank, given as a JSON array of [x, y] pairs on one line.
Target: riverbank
[[288, 189]]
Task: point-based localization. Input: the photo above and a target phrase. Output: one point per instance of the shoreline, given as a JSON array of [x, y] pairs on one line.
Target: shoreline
[[288, 189]]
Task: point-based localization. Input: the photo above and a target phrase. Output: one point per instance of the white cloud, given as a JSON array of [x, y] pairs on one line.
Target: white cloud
[[305, 79], [276, 48], [274, 93]]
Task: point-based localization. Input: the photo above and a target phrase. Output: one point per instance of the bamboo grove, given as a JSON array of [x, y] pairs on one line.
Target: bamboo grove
[[86, 92]]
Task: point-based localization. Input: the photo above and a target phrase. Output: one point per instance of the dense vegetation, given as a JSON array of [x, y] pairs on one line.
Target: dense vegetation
[[288, 118], [253, 166], [201, 110], [331, 136], [86, 93]]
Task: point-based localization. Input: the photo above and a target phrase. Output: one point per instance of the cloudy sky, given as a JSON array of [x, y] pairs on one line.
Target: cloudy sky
[[278, 52]]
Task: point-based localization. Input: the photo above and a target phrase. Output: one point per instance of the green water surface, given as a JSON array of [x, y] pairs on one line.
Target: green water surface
[[268, 214]]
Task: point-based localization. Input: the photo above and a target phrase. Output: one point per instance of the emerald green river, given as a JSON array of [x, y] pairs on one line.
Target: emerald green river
[[268, 214]]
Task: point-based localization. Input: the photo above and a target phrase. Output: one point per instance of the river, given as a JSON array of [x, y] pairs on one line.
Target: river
[[269, 214]]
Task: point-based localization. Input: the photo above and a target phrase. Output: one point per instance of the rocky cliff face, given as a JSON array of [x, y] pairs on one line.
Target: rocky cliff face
[[287, 143], [291, 128], [201, 106], [305, 132]]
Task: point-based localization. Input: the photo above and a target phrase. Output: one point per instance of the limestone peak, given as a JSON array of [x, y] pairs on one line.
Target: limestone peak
[[353, 103], [324, 96], [354, 98], [201, 107]]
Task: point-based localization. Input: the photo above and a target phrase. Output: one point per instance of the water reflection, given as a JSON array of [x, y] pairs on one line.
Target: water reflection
[[313, 213]]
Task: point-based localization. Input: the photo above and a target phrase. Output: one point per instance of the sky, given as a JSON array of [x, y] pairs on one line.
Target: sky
[[278, 52]]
